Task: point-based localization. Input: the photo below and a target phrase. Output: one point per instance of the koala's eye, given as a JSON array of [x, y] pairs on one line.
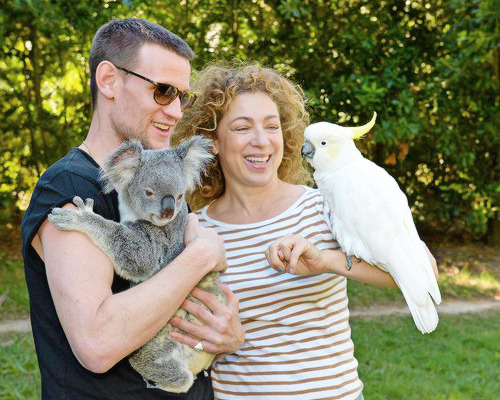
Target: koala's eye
[[323, 143], [149, 193], [179, 197]]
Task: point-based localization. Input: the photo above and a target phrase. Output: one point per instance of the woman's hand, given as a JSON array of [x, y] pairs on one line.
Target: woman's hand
[[295, 255], [220, 331]]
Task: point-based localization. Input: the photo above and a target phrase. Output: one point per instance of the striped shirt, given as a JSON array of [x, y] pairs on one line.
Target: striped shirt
[[298, 339]]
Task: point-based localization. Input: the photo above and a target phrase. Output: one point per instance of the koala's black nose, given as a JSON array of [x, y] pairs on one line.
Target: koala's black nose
[[167, 207]]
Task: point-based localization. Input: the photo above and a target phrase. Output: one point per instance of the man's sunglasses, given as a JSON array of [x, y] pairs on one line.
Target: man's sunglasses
[[165, 93]]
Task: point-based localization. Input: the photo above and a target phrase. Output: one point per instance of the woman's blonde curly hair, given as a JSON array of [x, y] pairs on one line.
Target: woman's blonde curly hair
[[217, 86]]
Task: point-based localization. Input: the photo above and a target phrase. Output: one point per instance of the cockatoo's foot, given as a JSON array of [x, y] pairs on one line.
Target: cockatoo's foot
[[349, 262]]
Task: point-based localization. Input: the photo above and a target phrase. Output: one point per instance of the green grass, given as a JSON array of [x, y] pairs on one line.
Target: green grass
[[12, 281], [458, 361], [19, 374]]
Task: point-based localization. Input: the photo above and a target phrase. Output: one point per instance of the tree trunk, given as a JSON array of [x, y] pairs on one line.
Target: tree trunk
[[493, 236]]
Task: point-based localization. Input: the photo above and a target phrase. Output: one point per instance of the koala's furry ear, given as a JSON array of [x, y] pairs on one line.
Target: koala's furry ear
[[122, 166], [195, 154]]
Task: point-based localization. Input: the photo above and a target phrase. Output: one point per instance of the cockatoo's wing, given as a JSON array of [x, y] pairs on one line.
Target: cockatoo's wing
[[371, 219]]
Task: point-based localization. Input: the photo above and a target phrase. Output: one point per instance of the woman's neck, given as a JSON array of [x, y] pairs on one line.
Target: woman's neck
[[254, 204]]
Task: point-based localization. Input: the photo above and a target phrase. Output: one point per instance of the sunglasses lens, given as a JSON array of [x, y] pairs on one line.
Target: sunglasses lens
[[165, 94], [187, 100]]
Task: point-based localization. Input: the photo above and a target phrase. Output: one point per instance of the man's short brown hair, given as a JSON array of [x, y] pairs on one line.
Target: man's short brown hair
[[120, 40]]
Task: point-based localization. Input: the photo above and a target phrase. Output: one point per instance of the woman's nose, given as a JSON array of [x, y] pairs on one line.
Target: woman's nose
[[260, 137]]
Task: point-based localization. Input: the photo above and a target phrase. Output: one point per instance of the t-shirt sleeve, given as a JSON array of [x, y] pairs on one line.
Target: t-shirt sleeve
[[57, 192]]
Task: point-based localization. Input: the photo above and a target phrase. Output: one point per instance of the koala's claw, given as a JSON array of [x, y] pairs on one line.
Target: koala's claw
[[87, 205]]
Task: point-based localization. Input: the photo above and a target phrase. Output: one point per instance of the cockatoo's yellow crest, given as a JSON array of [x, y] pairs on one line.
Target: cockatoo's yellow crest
[[359, 131]]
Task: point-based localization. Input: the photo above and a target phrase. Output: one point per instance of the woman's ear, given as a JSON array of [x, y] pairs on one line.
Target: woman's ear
[[215, 147], [106, 75]]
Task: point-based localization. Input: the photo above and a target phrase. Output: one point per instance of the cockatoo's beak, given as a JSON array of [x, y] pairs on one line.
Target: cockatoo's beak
[[308, 150]]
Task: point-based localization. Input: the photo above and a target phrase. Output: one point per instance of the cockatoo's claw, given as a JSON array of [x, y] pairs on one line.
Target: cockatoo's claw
[[349, 262]]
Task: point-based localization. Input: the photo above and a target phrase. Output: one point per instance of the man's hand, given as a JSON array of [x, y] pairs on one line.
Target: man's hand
[[211, 245], [221, 331], [295, 255]]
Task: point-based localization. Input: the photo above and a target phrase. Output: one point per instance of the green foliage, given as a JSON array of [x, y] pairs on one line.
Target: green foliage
[[430, 69]]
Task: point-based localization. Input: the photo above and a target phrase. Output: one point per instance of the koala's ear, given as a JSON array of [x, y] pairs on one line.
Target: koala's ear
[[195, 155], [122, 166]]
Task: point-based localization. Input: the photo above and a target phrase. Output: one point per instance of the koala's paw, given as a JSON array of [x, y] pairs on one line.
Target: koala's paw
[[67, 220]]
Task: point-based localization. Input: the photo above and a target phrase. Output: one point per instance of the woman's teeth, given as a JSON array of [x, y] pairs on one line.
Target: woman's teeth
[[257, 159]]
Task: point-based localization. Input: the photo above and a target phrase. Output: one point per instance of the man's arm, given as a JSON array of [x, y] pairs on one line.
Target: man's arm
[[102, 327]]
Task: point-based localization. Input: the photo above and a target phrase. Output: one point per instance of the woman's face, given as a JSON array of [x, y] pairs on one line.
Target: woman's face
[[250, 141]]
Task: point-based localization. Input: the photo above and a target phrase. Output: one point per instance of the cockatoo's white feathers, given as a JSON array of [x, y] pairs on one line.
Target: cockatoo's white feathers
[[370, 215]]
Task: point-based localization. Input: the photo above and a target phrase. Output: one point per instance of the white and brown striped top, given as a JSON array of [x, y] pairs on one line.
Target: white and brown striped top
[[298, 339]]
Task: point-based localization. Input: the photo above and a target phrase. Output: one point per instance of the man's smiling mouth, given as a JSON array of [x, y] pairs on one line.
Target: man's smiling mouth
[[161, 126]]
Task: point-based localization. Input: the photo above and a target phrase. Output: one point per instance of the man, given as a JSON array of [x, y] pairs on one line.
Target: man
[[85, 319]]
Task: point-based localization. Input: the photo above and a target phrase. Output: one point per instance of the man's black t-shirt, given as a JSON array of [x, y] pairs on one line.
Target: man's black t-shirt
[[63, 377]]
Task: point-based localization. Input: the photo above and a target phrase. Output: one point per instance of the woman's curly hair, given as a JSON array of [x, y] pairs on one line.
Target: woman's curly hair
[[217, 86]]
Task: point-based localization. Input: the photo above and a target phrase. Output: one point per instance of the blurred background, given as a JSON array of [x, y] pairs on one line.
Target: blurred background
[[429, 68]]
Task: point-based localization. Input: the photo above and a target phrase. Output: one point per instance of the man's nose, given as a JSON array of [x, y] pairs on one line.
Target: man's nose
[[173, 110]]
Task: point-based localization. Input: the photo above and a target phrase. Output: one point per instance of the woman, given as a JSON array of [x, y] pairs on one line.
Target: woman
[[283, 262]]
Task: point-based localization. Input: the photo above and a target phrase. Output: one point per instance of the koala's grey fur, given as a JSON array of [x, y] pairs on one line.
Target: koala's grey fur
[[151, 186]]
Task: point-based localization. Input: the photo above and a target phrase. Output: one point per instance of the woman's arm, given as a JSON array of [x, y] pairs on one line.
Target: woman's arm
[[297, 255]]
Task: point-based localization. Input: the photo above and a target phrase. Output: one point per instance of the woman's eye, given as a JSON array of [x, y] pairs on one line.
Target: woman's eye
[[149, 193], [241, 128]]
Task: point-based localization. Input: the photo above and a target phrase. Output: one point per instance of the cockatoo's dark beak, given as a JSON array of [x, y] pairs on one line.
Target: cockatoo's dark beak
[[308, 150]]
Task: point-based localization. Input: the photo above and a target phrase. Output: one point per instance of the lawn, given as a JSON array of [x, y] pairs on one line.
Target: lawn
[[459, 361]]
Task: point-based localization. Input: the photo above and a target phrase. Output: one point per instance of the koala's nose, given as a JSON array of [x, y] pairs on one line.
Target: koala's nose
[[167, 207]]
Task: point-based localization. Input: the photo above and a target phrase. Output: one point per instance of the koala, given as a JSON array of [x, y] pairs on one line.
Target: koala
[[151, 186]]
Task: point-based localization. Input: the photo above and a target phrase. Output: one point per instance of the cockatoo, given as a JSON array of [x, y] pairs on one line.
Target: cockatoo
[[370, 216]]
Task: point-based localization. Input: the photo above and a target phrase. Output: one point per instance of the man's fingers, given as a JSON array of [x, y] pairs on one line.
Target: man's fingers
[[231, 299], [192, 341]]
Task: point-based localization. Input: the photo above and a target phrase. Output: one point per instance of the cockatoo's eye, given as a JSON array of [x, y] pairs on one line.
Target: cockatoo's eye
[[149, 193], [179, 197], [323, 143]]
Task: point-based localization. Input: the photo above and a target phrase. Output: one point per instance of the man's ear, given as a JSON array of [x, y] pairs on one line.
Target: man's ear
[[105, 76]]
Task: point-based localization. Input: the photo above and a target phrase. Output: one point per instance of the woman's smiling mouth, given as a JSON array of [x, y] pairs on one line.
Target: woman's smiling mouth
[[258, 161]]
